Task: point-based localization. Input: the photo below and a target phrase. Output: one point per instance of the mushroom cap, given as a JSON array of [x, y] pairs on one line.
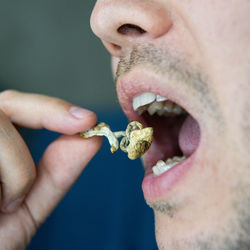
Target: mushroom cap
[[140, 142]]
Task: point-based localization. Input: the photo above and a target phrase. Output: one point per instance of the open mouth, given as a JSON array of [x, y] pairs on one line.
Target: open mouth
[[176, 132]]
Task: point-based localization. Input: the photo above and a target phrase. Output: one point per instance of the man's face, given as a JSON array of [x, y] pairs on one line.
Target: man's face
[[192, 54]]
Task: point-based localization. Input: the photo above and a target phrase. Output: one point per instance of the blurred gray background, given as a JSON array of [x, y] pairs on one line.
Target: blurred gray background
[[47, 47]]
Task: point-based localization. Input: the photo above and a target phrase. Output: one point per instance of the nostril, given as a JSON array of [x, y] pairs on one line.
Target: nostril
[[116, 46], [113, 48], [131, 30]]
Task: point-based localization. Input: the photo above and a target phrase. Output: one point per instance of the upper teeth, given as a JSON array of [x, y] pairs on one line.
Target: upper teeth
[[143, 99], [155, 104]]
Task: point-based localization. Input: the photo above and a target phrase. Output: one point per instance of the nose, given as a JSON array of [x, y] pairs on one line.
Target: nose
[[122, 23]]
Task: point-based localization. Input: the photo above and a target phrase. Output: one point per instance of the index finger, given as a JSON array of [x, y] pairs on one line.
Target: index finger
[[40, 111]]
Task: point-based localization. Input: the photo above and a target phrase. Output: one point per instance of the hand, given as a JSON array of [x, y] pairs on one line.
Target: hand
[[28, 194]]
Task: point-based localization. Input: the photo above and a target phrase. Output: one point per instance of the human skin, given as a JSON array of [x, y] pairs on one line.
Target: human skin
[[198, 52], [28, 194]]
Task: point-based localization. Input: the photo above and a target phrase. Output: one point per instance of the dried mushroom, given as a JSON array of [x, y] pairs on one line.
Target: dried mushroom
[[136, 139]]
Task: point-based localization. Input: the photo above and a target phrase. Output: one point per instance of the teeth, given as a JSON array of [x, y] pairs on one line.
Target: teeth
[[168, 107], [161, 108], [160, 112], [141, 110], [161, 166], [161, 98], [177, 109], [154, 107], [155, 104], [143, 99]]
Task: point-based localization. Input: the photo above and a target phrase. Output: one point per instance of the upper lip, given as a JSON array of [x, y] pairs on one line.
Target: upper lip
[[140, 81]]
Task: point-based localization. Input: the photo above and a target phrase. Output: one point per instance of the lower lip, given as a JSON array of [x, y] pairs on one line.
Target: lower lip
[[156, 188]]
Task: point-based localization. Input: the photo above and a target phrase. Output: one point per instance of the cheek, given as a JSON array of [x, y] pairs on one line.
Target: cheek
[[244, 126], [114, 64]]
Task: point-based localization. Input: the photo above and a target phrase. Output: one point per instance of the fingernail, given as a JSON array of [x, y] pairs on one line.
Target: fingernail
[[13, 205], [79, 112]]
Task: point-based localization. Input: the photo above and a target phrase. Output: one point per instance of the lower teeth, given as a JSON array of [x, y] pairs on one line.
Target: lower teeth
[[161, 166]]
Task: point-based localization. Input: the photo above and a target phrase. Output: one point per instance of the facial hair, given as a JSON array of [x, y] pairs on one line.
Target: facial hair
[[169, 65]]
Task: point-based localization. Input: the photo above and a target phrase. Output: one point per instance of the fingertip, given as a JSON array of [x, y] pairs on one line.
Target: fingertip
[[79, 113], [90, 147], [95, 142], [71, 121], [83, 120], [84, 146]]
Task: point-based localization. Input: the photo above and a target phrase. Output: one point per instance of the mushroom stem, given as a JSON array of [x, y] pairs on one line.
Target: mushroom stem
[[136, 139], [102, 129], [119, 134]]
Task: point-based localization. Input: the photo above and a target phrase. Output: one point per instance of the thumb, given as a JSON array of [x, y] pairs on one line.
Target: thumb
[[60, 166]]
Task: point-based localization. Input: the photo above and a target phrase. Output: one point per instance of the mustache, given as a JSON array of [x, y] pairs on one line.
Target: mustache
[[163, 62], [160, 59]]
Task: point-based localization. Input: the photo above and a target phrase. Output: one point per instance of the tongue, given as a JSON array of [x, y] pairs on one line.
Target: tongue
[[189, 136]]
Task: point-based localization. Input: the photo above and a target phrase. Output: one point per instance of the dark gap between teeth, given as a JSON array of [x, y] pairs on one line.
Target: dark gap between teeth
[[166, 131], [173, 136]]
